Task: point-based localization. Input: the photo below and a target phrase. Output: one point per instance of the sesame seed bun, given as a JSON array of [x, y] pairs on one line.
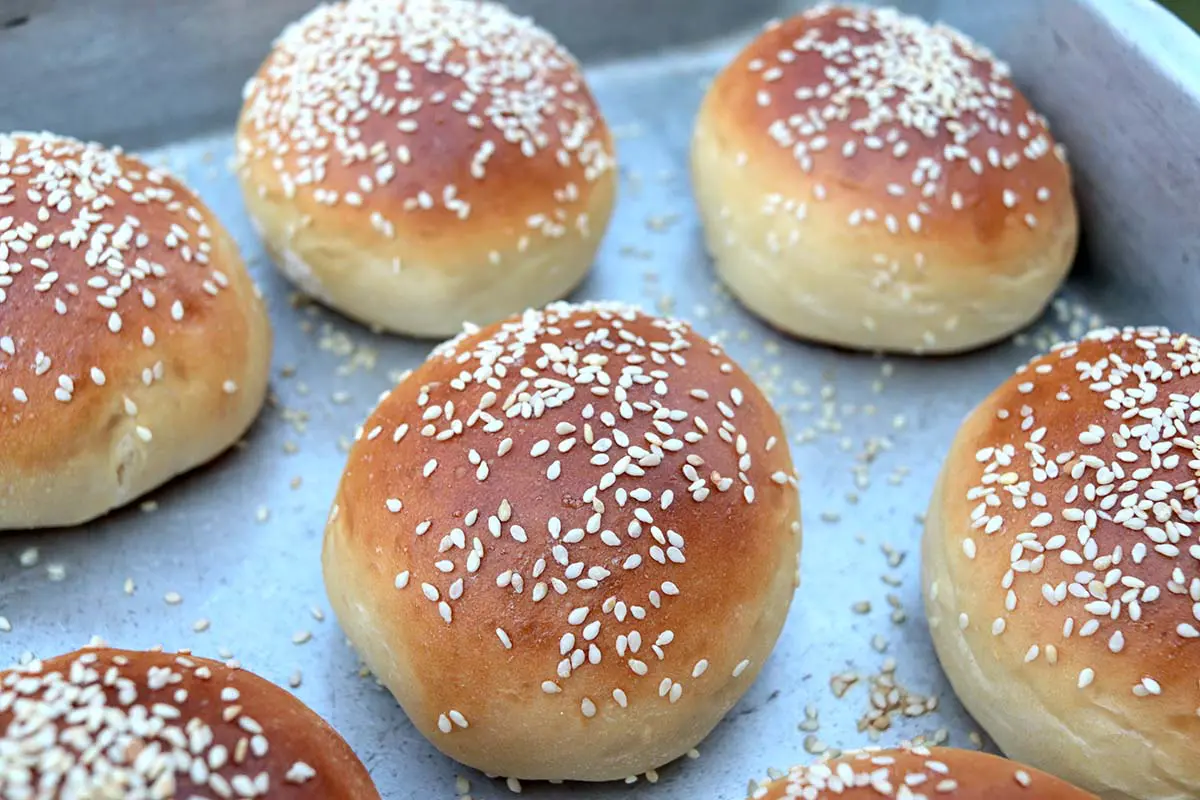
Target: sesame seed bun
[[918, 773], [1062, 574], [133, 344], [567, 542], [417, 164], [104, 723], [872, 181]]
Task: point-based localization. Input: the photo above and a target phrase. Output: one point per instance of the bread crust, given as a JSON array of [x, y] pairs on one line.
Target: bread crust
[[553, 590], [872, 181], [1067, 629], [469, 176], [133, 343]]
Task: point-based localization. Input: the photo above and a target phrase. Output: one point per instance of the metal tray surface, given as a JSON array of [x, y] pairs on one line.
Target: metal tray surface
[[225, 560]]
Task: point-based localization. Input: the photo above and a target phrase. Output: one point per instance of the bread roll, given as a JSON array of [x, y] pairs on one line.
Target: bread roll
[[420, 163], [918, 773], [1062, 571], [871, 181], [567, 542], [133, 344], [103, 723]]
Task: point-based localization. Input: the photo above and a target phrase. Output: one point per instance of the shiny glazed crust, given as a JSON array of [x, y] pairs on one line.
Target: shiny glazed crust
[[567, 543], [1062, 573], [873, 181], [133, 343], [470, 175]]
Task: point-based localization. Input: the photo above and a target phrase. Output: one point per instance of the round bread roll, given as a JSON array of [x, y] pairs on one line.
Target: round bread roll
[[568, 542], [871, 181], [133, 344], [918, 773], [1062, 573], [104, 723], [417, 164]]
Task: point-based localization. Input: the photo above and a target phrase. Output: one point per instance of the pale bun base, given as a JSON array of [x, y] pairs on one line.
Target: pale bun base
[[192, 420], [1064, 731], [437, 287], [817, 282], [516, 740]]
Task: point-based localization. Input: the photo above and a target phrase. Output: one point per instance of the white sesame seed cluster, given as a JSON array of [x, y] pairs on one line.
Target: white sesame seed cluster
[[583, 445], [72, 252], [914, 773], [111, 724], [935, 102], [350, 84]]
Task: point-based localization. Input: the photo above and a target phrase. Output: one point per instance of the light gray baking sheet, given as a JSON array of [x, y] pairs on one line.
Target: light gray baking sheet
[[239, 540]]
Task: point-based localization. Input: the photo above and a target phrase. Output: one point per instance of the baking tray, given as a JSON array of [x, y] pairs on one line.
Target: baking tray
[[225, 560]]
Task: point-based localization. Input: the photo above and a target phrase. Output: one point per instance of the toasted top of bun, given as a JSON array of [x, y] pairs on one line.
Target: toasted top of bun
[[918, 773], [902, 135], [105, 723], [379, 118], [117, 287], [1068, 506], [598, 510]]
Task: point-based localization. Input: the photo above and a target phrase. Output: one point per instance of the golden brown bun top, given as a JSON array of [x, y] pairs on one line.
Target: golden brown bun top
[[105, 277], [900, 124], [581, 493], [1074, 486], [917, 773], [108, 723], [419, 113]]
